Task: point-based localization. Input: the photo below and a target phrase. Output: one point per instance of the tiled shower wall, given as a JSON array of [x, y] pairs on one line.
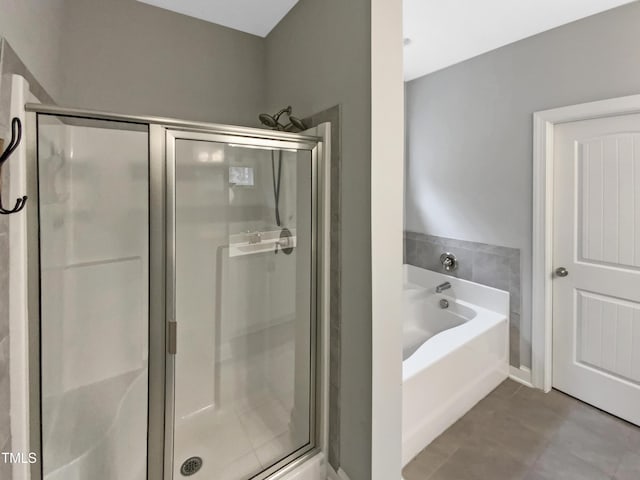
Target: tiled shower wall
[[491, 265]]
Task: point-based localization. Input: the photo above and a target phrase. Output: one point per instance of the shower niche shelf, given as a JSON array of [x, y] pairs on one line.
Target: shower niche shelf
[[251, 243]]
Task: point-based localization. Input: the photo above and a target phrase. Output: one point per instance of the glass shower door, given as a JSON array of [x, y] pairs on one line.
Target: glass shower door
[[244, 303], [93, 184]]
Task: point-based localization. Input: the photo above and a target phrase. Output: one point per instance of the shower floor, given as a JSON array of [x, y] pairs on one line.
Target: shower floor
[[251, 428], [234, 443]]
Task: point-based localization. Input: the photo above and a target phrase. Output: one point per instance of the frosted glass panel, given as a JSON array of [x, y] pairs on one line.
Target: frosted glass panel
[[243, 306], [94, 201]]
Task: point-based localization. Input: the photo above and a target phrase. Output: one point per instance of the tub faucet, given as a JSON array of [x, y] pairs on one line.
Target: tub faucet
[[442, 287]]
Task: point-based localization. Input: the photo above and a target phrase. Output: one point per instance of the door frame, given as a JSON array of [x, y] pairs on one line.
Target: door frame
[[544, 123], [314, 145], [316, 139]]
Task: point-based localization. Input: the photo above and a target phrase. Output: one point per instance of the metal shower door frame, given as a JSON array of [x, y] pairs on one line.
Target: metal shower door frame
[[267, 142], [161, 366]]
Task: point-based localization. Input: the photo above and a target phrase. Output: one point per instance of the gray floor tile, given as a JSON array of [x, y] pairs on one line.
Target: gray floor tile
[[425, 464], [597, 421], [506, 389], [599, 449], [556, 465], [517, 433], [534, 476], [481, 461], [520, 441], [629, 468], [461, 432], [535, 416], [634, 439], [487, 407], [453, 471], [556, 401]]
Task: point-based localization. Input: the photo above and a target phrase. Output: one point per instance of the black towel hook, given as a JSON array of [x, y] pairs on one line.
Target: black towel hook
[[16, 136]]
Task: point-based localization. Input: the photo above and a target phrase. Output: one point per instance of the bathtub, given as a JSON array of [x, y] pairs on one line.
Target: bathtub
[[453, 357]]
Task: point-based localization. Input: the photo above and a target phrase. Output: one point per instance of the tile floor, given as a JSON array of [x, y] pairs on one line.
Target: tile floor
[[252, 426], [517, 433], [234, 443]]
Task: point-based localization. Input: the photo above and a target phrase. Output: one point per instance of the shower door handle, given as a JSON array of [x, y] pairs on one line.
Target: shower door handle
[[172, 338]]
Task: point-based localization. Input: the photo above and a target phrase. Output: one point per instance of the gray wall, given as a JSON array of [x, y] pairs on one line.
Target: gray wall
[[129, 57], [34, 29], [469, 127], [319, 56], [5, 423]]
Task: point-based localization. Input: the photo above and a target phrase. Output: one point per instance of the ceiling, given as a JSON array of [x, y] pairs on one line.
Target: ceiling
[[442, 33], [257, 17]]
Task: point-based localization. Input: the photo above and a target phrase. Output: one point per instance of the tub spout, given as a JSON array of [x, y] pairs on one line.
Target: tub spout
[[442, 287]]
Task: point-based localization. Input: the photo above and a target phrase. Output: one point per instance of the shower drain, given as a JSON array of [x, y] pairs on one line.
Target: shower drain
[[191, 466]]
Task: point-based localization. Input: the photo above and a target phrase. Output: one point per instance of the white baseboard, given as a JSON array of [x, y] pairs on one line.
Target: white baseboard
[[521, 375], [333, 475]]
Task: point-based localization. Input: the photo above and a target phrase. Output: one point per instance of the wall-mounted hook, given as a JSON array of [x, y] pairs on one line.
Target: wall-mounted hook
[[16, 136]]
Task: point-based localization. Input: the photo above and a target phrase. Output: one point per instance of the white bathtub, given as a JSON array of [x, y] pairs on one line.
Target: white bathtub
[[453, 357]]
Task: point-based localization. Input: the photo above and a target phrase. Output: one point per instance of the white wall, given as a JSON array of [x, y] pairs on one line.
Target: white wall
[[469, 128], [387, 192]]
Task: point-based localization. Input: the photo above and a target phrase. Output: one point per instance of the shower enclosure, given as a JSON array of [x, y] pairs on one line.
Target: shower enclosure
[[176, 297]]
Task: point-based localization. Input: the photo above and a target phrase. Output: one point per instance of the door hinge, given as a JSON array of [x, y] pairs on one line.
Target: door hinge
[[172, 338]]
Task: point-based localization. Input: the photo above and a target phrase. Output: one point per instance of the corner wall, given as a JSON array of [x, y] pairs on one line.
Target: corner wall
[[470, 146], [34, 30], [317, 57], [129, 57]]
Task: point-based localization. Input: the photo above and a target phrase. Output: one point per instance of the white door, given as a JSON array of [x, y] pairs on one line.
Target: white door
[[596, 301]]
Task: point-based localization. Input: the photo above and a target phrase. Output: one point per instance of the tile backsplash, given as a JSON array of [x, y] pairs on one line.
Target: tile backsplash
[[491, 265]]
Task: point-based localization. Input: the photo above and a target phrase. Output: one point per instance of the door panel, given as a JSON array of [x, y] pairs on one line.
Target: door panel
[[244, 305], [608, 338], [607, 201], [94, 287], [596, 308]]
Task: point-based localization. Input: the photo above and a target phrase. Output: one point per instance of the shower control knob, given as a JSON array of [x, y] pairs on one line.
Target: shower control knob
[[449, 261], [562, 272], [286, 242]]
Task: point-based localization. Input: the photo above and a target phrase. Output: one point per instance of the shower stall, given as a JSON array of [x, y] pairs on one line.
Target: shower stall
[[177, 318]]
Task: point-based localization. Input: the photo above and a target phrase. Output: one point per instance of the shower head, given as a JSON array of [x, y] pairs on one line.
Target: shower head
[[286, 110], [273, 121], [296, 122], [268, 121]]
